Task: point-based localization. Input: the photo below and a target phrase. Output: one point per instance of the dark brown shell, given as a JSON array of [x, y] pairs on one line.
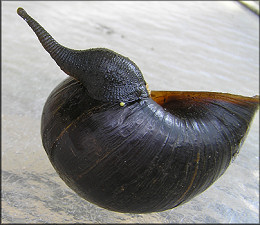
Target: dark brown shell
[[126, 151], [142, 158]]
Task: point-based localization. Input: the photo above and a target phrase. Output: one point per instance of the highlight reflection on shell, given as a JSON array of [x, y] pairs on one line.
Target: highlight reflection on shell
[[129, 149]]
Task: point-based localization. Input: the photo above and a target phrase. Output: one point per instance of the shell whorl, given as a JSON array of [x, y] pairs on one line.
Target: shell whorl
[[142, 158], [107, 75]]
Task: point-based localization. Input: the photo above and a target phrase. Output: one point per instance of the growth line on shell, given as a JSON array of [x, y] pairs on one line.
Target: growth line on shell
[[99, 160], [193, 177], [222, 121], [107, 154], [61, 134], [73, 122]]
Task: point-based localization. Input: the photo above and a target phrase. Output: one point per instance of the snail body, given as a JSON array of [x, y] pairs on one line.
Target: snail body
[[126, 150]]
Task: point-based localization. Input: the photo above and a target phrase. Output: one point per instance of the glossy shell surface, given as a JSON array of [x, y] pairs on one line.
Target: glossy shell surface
[[142, 157]]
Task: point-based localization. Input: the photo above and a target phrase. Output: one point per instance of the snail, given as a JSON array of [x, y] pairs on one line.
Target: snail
[[126, 148]]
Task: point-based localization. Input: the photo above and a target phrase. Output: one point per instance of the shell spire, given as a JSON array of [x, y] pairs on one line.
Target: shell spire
[[107, 75]]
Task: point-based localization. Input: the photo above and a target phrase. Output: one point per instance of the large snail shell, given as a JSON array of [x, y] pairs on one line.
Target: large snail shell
[[151, 153]]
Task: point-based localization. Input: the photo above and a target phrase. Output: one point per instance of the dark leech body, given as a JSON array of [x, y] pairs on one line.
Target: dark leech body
[[96, 68]]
